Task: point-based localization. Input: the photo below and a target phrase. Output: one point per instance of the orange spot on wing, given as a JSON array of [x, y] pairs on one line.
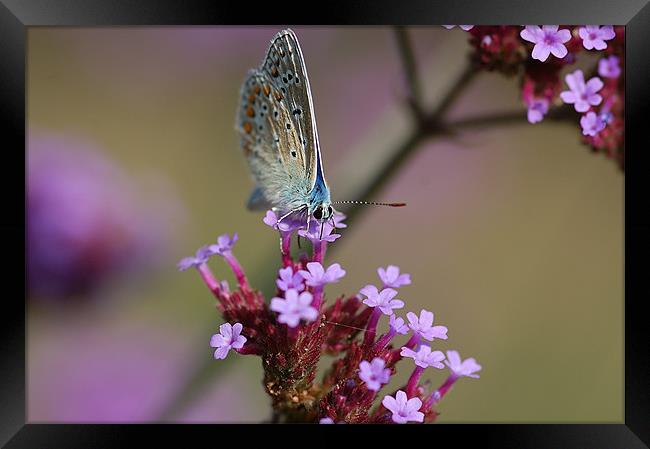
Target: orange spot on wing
[[250, 112], [274, 72], [267, 90], [257, 89], [278, 95], [248, 127]]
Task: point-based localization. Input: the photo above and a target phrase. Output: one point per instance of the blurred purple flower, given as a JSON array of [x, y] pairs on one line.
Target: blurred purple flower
[[462, 27], [548, 39], [201, 257], [229, 337], [582, 95], [224, 244], [403, 409], [537, 109], [289, 280], [391, 277], [462, 368], [326, 421], [591, 124], [609, 67], [594, 36], [86, 223], [374, 374]]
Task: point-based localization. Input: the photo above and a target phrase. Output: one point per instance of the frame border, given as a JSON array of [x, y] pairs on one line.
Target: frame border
[[17, 15]]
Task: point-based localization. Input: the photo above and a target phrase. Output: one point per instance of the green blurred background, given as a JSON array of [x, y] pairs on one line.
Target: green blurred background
[[513, 233]]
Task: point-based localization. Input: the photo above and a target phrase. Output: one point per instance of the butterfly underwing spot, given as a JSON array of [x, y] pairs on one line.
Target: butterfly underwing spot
[[250, 112], [293, 153], [248, 127], [288, 125], [297, 111]]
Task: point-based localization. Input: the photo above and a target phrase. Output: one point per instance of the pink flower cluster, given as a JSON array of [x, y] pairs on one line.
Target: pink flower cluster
[[301, 324], [539, 55]]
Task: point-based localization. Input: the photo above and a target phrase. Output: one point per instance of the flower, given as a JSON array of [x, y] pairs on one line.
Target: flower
[[403, 409], [201, 257], [294, 307], [424, 326], [289, 280], [314, 233], [592, 124], [466, 368], [229, 337], [338, 218], [594, 36], [397, 324], [326, 421], [609, 67], [537, 109], [384, 299], [374, 373], [462, 27], [391, 278], [547, 39], [288, 224], [317, 276], [424, 357], [582, 95], [224, 244]]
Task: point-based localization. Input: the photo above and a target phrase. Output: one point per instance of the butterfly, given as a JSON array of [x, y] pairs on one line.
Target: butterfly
[[277, 128]]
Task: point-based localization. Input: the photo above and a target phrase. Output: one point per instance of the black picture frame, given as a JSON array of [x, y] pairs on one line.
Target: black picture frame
[[17, 15]]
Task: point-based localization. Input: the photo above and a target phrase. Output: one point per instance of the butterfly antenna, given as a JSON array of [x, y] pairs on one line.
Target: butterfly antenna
[[371, 203]]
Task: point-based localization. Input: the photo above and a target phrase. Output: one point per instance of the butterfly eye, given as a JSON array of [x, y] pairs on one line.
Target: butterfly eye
[[318, 213]]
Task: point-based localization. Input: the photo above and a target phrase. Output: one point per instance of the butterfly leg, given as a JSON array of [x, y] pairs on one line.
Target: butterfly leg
[[297, 209]]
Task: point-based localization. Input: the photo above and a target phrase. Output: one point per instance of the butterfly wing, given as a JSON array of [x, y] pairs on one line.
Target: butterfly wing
[[285, 66], [271, 144]]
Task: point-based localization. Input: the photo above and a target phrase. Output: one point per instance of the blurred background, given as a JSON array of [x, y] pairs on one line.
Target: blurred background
[[513, 234]]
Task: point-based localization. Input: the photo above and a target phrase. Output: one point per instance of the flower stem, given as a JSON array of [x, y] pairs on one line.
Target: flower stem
[[318, 297], [285, 248], [413, 341], [319, 251], [385, 339], [413, 381], [371, 329], [238, 271]]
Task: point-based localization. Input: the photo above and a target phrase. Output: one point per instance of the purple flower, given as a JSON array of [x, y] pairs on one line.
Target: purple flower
[[397, 324], [609, 67], [594, 36], [338, 218], [289, 280], [462, 27], [582, 95], [224, 244], [317, 276], [391, 278], [537, 109], [294, 307], [288, 224], [424, 357], [384, 299], [591, 124], [201, 257], [326, 421], [374, 374], [229, 337], [459, 368], [314, 232], [424, 326], [547, 39], [403, 409]]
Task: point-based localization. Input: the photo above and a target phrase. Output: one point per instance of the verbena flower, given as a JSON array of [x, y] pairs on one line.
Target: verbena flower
[[318, 232], [374, 374], [289, 280], [294, 307], [462, 27], [537, 109], [423, 326], [582, 95], [592, 124], [316, 276], [403, 409], [392, 278], [609, 67], [462, 368], [424, 357], [292, 333], [229, 337], [594, 36], [381, 299], [548, 39]]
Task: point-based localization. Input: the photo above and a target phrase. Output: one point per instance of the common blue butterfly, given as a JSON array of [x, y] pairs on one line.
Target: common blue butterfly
[[278, 133]]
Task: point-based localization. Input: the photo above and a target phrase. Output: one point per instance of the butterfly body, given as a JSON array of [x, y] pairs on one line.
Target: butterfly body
[[278, 133]]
